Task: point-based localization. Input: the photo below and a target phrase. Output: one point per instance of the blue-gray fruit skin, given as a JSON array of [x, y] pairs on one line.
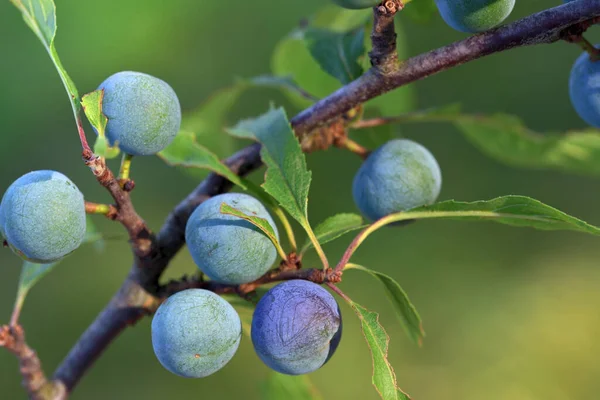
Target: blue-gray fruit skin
[[296, 327], [227, 248], [195, 333], [42, 216], [357, 4], [473, 16], [398, 176], [143, 112], [585, 90]]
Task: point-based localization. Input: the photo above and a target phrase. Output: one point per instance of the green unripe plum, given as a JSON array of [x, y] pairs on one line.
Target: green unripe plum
[[227, 248], [143, 112], [396, 177], [195, 333], [473, 16], [42, 216], [357, 4]]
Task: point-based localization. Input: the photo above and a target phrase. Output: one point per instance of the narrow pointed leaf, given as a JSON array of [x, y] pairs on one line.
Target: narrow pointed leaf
[[40, 16], [280, 386], [287, 179], [518, 211], [334, 227], [184, 151], [406, 311], [337, 53], [384, 377], [260, 223]]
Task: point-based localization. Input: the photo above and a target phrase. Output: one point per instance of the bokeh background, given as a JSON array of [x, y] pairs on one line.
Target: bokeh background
[[509, 313]]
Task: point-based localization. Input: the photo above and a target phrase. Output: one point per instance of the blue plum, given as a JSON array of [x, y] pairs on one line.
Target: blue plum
[[296, 327], [143, 112], [195, 333], [398, 176], [227, 248], [584, 89], [474, 15], [42, 216]]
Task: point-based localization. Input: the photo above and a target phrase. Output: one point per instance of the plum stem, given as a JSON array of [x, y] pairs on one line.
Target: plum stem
[[589, 47], [354, 147], [107, 210], [125, 169]]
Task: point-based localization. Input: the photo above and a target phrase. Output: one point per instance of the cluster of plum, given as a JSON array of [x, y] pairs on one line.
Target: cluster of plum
[[42, 214], [297, 325]]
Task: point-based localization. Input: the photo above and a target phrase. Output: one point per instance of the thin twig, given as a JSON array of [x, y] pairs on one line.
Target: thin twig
[[34, 380], [384, 56]]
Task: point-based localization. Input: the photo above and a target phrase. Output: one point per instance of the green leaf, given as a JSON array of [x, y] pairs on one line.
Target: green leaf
[[406, 311], [334, 227], [280, 386], [184, 151], [420, 10], [337, 53], [517, 211], [287, 178], [40, 16], [92, 107], [103, 148], [384, 377], [506, 139], [291, 58], [260, 223]]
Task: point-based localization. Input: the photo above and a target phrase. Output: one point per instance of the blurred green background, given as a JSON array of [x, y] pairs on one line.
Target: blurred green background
[[509, 313]]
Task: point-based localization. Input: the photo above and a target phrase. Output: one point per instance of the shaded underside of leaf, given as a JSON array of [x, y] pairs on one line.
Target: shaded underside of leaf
[[337, 53]]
